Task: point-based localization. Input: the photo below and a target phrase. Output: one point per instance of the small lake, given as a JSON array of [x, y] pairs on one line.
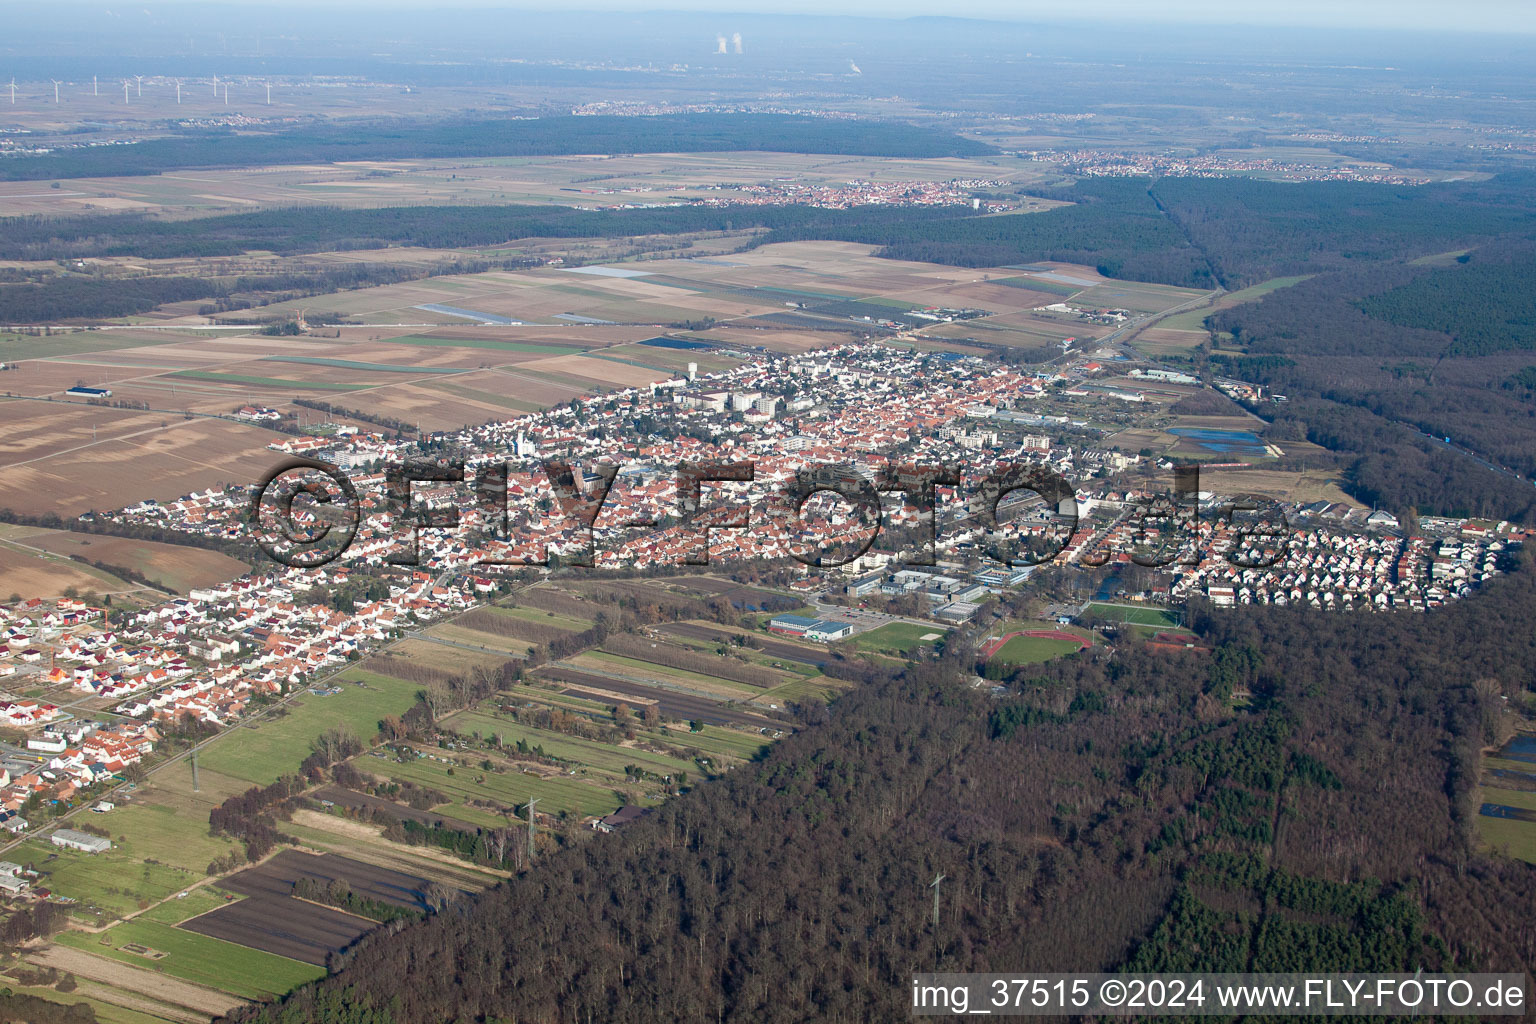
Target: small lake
[[1521, 748], [1241, 442], [1504, 811]]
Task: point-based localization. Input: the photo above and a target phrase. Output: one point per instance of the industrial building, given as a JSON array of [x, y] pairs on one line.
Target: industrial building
[[72, 839]]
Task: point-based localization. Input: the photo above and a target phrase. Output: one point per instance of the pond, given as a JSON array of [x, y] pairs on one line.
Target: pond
[[1241, 442]]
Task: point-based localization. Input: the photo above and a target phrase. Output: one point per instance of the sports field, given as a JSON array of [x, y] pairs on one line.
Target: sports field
[[1131, 614]]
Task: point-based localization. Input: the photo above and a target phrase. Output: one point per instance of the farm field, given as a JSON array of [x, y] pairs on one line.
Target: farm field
[[509, 790], [137, 988], [489, 642], [155, 853], [203, 960], [260, 753], [31, 572], [100, 999], [540, 617], [173, 566], [821, 688], [709, 739], [1194, 319], [282, 926], [722, 689], [356, 840], [604, 757]]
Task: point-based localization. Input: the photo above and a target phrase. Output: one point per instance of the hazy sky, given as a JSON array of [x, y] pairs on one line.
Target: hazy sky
[[1467, 15]]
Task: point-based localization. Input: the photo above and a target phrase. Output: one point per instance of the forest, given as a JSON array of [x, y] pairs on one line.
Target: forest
[[1385, 360], [1112, 811], [72, 296], [374, 139]]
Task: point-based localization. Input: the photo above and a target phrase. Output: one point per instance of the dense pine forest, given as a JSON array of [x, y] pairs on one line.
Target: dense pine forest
[[372, 139], [1302, 797]]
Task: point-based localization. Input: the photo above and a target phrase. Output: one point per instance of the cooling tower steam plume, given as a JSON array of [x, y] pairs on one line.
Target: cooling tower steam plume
[[719, 44], [736, 41]]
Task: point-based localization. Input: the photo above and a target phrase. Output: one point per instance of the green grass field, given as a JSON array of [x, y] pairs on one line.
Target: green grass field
[[896, 638], [154, 855], [1136, 616], [1194, 319], [1030, 650], [238, 970], [276, 746], [801, 690], [198, 901], [543, 618], [510, 646], [1517, 838], [22, 346], [713, 739]]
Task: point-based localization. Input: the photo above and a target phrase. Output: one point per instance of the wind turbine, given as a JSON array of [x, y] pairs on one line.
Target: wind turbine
[[94, 90], [56, 84], [215, 86], [178, 90], [125, 92], [140, 80], [226, 94], [13, 92], [269, 94]]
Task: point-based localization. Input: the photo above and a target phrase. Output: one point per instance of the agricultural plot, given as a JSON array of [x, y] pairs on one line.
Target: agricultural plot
[[201, 959], [607, 758], [800, 690], [646, 671], [173, 566], [537, 616], [67, 458], [509, 790], [276, 876], [675, 704], [260, 752], [99, 999], [140, 988], [156, 852], [282, 926], [36, 573], [478, 640]]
